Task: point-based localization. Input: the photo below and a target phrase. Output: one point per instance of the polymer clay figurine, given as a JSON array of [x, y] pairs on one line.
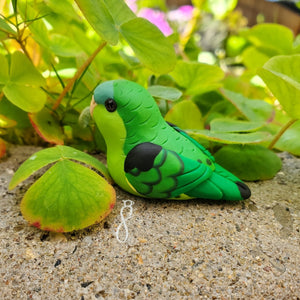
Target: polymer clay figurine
[[149, 157]]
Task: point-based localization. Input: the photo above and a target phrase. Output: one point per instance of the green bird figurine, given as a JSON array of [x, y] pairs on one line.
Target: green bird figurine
[[151, 158]]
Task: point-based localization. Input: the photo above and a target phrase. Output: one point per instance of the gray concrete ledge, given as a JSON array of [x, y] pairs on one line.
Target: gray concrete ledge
[[175, 250]]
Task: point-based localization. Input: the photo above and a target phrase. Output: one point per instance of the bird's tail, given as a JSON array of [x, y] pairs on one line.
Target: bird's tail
[[222, 185]]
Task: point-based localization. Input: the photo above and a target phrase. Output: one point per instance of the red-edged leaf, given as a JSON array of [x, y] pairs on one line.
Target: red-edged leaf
[[47, 127], [2, 148]]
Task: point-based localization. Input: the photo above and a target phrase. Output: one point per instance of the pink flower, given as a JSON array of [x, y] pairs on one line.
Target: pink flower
[[132, 5], [182, 14], [158, 18]]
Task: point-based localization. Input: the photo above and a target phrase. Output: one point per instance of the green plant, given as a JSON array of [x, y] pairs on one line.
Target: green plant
[[68, 196], [54, 53]]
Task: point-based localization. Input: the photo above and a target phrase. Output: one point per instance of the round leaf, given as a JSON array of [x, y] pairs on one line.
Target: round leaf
[[30, 99], [290, 140], [47, 156], [151, 47], [231, 125], [4, 75], [250, 162], [22, 71], [164, 92], [282, 76], [119, 10], [252, 109], [100, 19], [47, 127], [230, 138], [185, 115], [68, 197], [64, 46], [278, 39], [197, 77]]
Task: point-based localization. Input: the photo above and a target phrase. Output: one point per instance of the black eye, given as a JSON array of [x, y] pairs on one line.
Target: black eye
[[110, 105]]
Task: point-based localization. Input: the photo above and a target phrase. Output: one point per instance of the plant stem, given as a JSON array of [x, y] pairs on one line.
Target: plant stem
[[77, 75], [281, 132]]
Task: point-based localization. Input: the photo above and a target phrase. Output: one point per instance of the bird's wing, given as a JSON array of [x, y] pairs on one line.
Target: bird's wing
[[199, 146], [161, 173]]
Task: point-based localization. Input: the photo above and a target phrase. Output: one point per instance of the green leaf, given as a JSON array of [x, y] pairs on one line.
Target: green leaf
[[274, 38], [253, 58], [47, 126], [30, 99], [5, 27], [100, 19], [15, 113], [164, 92], [63, 8], [22, 71], [186, 115], [119, 10], [250, 162], [196, 77], [151, 47], [252, 109], [4, 73], [64, 46], [229, 138], [282, 76], [6, 122], [36, 25], [47, 156], [67, 197], [22, 83], [231, 125], [290, 140]]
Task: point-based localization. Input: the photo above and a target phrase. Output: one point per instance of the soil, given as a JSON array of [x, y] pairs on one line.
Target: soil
[[175, 249]]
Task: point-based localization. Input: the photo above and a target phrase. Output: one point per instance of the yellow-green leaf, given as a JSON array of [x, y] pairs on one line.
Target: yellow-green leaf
[[186, 115], [150, 46], [68, 197], [282, 76]]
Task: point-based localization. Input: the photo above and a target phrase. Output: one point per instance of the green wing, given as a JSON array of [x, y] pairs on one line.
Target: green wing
[[156, 172], [160, 173]]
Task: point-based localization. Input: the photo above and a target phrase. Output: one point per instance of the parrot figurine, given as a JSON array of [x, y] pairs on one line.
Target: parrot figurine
[[148, 157]]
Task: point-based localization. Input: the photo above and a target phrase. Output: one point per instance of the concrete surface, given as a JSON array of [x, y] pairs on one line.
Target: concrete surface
[[175, 250]]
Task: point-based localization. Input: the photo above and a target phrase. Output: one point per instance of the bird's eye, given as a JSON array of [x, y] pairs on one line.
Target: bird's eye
[[110, 105]]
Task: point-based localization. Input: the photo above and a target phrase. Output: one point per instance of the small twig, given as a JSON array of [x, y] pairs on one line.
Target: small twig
[[281, 132], [76, 76]]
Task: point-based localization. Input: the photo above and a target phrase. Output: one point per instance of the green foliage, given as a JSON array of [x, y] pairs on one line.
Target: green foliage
[[281, 74], [245, 94], [68, 196], [22, 82], [237, 159]]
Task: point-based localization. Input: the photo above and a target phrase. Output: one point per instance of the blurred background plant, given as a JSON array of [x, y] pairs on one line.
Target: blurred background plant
[[234, 88]]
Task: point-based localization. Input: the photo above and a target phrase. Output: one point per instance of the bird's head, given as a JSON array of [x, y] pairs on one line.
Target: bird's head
[[123, 106]]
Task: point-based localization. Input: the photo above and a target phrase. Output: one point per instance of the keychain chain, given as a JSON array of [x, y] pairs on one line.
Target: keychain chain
[[127, 204]]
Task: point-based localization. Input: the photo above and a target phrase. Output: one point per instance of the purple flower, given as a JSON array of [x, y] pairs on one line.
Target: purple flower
[[158, 18]]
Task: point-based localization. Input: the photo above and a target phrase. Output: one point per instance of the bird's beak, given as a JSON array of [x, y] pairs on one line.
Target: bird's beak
[[92, 106]]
